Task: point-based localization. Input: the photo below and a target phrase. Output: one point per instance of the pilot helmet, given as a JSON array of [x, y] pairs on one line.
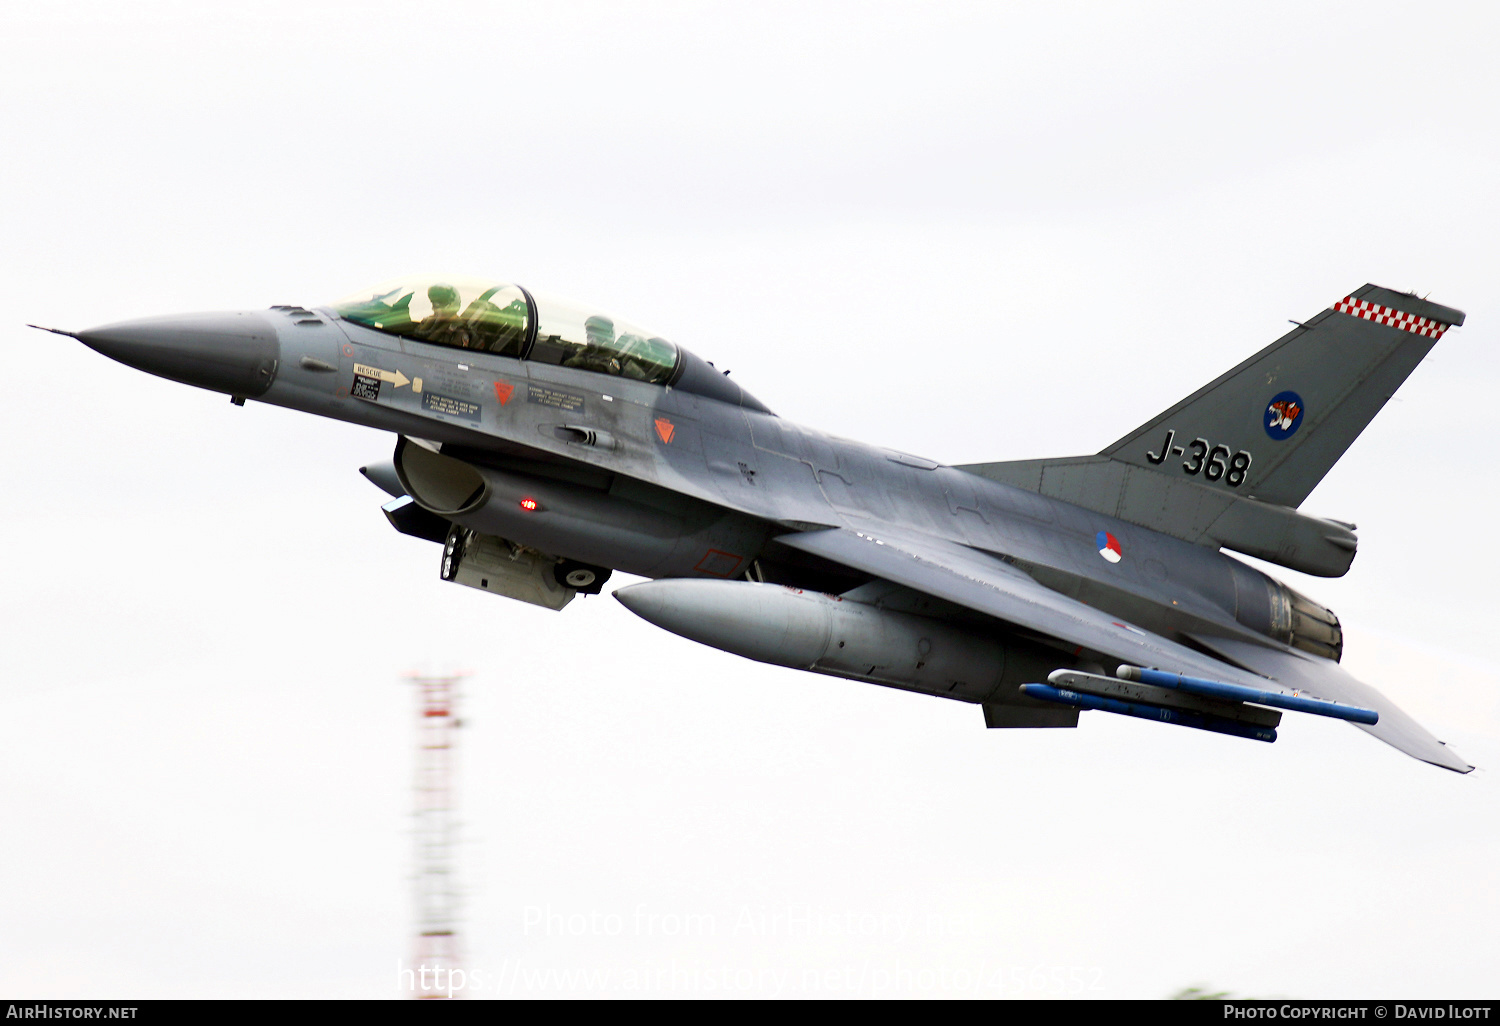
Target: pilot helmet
[[442, 296]]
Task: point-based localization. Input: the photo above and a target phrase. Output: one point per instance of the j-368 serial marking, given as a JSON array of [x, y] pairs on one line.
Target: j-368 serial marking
[[1210, 461]]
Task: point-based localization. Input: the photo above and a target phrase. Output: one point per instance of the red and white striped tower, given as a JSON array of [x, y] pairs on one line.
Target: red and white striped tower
[[435, 829]]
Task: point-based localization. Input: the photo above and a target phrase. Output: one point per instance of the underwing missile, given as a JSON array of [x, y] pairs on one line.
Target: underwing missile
[[1147, 694], [1237, 693], [1180, 717]]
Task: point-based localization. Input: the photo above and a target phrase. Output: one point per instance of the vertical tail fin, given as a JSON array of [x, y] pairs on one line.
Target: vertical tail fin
[[1230, 463], [1272, 427]]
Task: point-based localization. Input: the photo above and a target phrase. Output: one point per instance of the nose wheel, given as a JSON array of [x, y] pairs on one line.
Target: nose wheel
[[581, 576]]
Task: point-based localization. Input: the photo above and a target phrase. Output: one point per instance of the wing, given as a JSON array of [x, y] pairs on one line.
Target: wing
[[1328, 680], [988, 585]]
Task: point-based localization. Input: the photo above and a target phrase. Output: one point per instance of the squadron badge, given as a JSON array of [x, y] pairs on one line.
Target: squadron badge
[[1283, 415]]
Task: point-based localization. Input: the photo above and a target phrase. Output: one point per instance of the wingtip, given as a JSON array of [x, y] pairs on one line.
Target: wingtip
[[1458, 764], [55, 331]]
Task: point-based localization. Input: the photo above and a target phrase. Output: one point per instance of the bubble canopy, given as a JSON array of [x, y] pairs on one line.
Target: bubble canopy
[[493, 317], [464, 313]]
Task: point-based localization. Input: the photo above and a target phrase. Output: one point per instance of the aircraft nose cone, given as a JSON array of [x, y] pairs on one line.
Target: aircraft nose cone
[[235, 353]]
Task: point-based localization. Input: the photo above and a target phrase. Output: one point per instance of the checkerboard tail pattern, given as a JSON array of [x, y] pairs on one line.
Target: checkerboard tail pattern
[[1423, 326]]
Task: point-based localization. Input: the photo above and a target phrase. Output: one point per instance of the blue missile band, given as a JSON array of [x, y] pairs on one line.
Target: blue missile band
[[1180, 717], [1238, 693]]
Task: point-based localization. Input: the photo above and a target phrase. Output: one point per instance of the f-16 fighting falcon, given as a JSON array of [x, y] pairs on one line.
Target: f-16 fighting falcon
[[545, 444]]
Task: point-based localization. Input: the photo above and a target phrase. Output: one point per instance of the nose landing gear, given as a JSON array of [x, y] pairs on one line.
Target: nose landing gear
[[581, 576]]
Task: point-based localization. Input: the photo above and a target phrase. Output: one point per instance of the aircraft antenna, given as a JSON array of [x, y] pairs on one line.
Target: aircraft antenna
[[436, 948]]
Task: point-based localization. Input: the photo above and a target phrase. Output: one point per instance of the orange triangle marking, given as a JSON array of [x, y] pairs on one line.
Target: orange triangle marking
[[503, 390], [665, 430]]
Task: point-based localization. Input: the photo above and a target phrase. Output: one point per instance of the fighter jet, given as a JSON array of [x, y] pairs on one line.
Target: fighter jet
[[544, 444]]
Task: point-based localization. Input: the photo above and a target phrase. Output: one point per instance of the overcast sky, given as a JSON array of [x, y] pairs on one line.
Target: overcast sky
[[968, 231]]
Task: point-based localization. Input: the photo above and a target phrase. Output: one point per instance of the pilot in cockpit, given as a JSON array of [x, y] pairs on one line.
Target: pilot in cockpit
[[598, 353], [443, 325]]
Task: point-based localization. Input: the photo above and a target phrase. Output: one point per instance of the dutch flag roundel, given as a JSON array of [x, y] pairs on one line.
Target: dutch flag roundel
[[1109, 546]]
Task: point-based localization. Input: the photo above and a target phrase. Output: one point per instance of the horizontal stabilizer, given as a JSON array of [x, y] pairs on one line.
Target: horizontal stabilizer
[[1183, 508]]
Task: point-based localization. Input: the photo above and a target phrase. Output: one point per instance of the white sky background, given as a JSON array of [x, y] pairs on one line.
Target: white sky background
[[973, 232]]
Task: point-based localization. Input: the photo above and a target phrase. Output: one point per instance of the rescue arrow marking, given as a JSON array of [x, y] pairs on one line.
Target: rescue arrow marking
[[394, 377]]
